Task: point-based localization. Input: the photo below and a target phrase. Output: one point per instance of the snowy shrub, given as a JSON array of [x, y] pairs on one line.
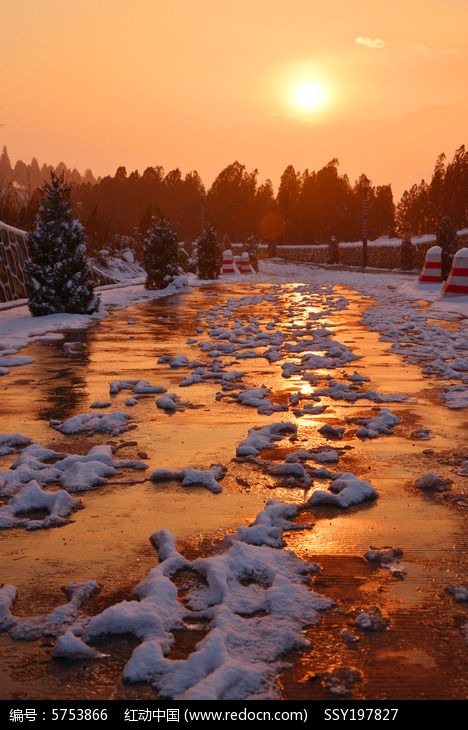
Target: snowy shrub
[[160, 255], [58, 277], [187, 258], [251, 246], [210, 256], [446, 238], [406, 254]]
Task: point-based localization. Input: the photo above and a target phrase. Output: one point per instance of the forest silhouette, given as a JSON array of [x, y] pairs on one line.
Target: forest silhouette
[[308, 207]]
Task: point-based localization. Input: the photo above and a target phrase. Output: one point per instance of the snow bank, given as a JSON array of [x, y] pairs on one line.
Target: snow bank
[[374, 427], [69, 646], [137, 386], [37, 467], [9, 443], [56, 623], [346, 490], [236, 659], [241, 597], [112, 423], [351, 393], [269, 525], [431, 481], [264, 437], [142, 387], [257, 398], [171, 402], [190, 477], [32, 497]]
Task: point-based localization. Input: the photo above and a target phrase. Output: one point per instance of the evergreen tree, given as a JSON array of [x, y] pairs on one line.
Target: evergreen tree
[[57, 276], [251, 246], [455, 188], [446, 238], [406, 254], [6, 170], [160, 255], [21, 174], [437, 191], [233, 190], [9, 204], [413, 211], [210, 256], [288, 200], [35, 177]]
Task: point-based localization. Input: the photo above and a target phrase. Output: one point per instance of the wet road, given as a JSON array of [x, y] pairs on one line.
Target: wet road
[[108, 540]]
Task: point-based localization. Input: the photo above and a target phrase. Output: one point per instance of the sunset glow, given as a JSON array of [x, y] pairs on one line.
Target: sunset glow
[[199, 85], [309, 95]]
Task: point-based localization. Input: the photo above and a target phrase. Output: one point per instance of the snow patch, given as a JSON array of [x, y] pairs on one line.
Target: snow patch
[[190, 477], [112, 423], [260, 438], [346, 490]]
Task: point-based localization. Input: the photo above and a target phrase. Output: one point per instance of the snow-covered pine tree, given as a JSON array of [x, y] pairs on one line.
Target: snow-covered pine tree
[[160, 255], [210, 255], [57, 277], [251, 246]]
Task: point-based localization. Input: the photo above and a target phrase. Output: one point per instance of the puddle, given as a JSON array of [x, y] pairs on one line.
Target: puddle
[[109, 539], [416, 657]]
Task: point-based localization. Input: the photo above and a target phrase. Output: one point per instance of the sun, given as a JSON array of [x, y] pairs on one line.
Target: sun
[[308, 95], [306, 90]]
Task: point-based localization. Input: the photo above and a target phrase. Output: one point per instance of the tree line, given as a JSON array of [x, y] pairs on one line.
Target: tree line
[[423, 206], [58, 277], [308, 207]]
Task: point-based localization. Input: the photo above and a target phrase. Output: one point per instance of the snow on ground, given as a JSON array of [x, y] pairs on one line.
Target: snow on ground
[[249, 593], [36, 467], [253, 589], [113, 423], [208, 478], [406, 313]]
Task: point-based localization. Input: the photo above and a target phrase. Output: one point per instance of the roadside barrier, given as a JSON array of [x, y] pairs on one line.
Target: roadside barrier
[[432, 269], [244, 264], [457, 280], [228, 267]]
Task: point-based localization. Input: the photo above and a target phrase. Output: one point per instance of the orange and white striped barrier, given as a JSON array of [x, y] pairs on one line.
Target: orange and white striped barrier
[[457, 280], [229, 266], [244, 264], [432, 269]]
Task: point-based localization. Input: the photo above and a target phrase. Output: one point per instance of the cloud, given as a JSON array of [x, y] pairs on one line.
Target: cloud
[[426, 51], [370, 42]]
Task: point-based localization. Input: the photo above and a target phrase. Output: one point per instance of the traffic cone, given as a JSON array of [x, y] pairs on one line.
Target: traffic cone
[[244, 264], [228, 267], [457, 281], [432, 269]]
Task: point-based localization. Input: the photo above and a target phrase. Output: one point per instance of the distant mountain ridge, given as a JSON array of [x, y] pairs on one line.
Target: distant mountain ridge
[[29, 177]]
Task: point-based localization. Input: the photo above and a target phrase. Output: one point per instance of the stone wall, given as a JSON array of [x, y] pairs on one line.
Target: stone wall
[[381, 254]]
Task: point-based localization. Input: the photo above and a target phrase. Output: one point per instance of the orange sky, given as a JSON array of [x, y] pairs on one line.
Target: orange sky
[[199, 84]]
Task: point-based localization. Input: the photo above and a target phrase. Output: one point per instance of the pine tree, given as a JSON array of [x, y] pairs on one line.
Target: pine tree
[[210, 256], [446, 238], [406, 254], [57, 276], [6, 170], [160, 255], [251, 246]]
